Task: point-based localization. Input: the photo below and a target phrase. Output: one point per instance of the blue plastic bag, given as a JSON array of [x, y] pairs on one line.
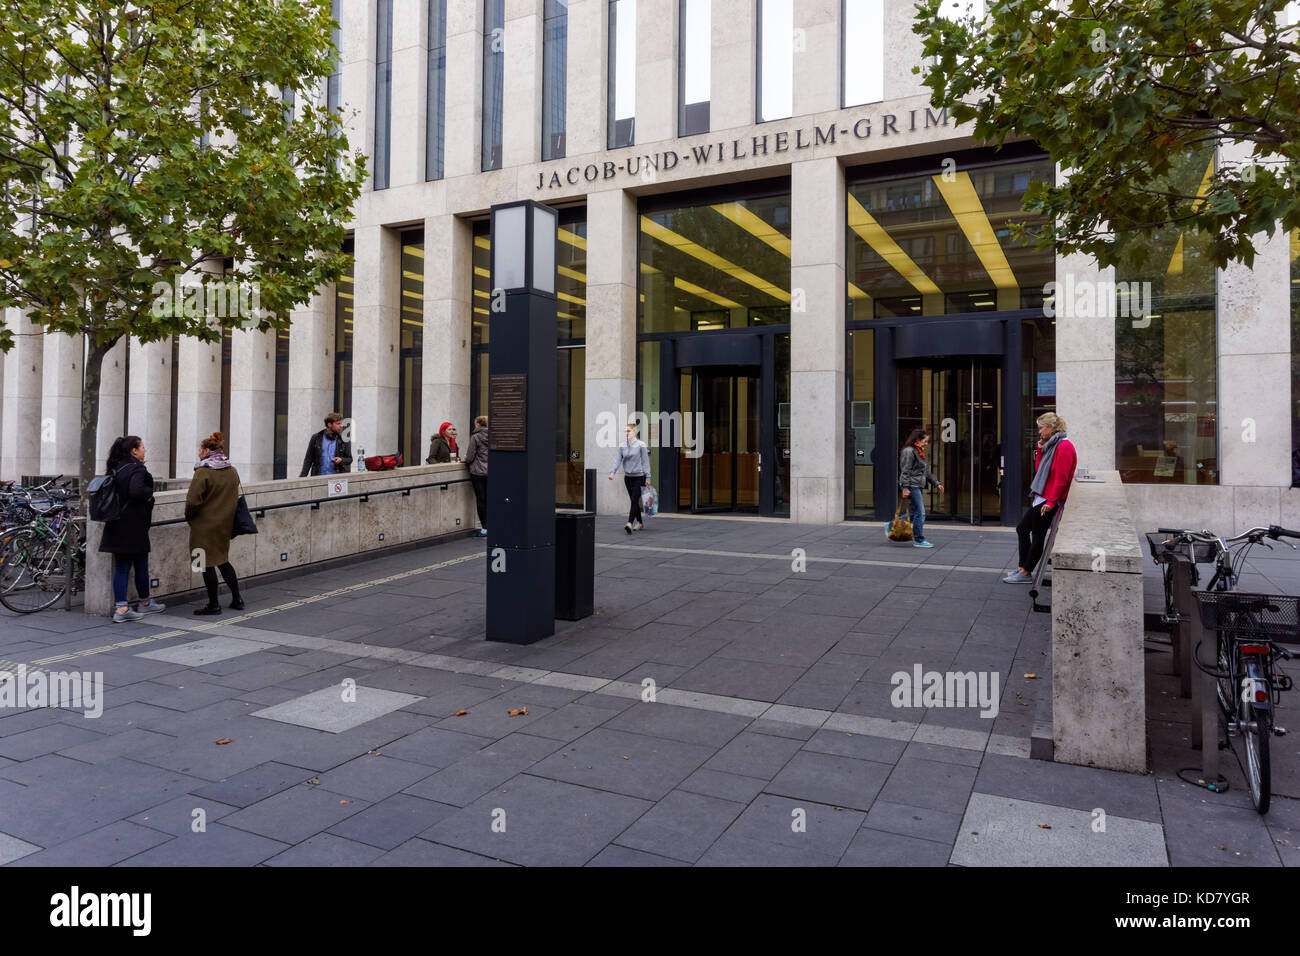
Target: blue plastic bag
[[649, 501]]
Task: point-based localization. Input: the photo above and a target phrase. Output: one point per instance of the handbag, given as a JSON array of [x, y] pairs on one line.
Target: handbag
[[243, 523], [383, 462], [900, 529]]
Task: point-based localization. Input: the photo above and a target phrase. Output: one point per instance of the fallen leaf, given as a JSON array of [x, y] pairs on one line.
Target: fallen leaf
[[1223, 848], [1044, 826], [460, 713], [521, 712], [1031, 676], [223, 740], [625, 757], [344, 801], [314, 781]]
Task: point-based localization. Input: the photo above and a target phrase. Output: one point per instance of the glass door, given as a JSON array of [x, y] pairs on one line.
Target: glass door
[[725, 475]]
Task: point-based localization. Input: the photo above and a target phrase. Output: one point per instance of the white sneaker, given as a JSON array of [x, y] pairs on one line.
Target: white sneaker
[[639, 526], [121, 616], [628, 527]]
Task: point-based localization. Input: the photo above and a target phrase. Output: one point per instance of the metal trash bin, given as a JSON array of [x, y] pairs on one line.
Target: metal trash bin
[[575, 564]]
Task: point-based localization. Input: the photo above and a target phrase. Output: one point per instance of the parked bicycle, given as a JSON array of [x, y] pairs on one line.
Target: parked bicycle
[[42, 559], [1248, 625]]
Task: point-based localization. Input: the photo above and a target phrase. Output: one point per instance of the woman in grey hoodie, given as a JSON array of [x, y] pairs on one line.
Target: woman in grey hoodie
[[634, 457]]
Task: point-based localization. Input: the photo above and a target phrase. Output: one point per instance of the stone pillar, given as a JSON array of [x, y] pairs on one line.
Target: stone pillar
[[656, 70], [358, 81], [410, 92], [586, 109], [521, 134], [732, 97], [311, 373], [21, 437], [376, 364], [464, 109], [251, 444], [198, 399], [112, 395], [448, 285], [817, 68], [1085, 359], [901, 53], [817, 342], [151, 406], [611, 335], [61, 375]]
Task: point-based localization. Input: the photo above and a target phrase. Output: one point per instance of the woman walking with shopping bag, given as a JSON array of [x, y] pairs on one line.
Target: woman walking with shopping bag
[[634, 458], [913, 477]]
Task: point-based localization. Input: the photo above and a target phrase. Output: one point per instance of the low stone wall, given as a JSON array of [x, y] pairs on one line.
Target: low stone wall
[[301, 535], [1098, 683]]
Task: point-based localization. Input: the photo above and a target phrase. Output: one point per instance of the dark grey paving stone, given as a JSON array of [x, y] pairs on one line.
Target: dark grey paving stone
[[753, 680], [218, 846], [393, 821], [470, 777], [615, 855], [734, 850], [447, 702], [50, 768], [373, 777], [44, 740], [423, 853], [547, 822], [178, 817], [293, 815], [256, 783], [492, 717], [817, 830], [622, 762], [23, 721], [326, 849], [1064, 785], [930, 783], [926, 751], [755, 755], [682, 825], [569, 722], [687, 724], [435, 746], [860, 746], [106, 747], [103, 847], [877, 848], [725, 786], [827, 778], [1206, 829], [781, 728], [922, 822]]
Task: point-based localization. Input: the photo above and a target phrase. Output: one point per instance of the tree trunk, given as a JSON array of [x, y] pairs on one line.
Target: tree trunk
[[90, 413]]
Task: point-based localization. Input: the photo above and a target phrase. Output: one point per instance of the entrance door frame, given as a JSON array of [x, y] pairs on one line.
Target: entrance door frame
[[994, 337], [731, 374]]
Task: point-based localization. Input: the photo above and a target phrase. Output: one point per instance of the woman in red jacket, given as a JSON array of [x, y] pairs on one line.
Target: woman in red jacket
[[1053, 471]]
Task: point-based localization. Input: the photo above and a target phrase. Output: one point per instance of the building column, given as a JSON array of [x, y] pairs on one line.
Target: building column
[[61, 373], [21, 438], [1085, 360], [376, 363], [521, 132], [817, 68], [611, 336], [732, 72], [586, 108], [198, 398], [409, 111], [311, 373], [112, 394], [463, 124], [817, 342], [150, 408], [656, 71], [357, 87], [448, 295], [251, 444]]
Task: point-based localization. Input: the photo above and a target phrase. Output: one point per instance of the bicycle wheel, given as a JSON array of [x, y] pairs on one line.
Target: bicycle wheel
[[32, 580], [1257, 727], [16, 559]]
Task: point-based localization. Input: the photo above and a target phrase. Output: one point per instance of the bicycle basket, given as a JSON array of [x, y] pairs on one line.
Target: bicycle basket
[[1245, 614], [1166, 547]]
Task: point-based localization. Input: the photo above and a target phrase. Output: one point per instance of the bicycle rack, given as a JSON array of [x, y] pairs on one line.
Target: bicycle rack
[[1043, 561]]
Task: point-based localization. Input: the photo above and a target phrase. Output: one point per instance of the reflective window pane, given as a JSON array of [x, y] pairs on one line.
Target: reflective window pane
[[555, 30], [383, 89], [343, 338], [693, 67], [622, 73], [864, 52], [435, 118], [775, 59], [411, 443], [494, 23]]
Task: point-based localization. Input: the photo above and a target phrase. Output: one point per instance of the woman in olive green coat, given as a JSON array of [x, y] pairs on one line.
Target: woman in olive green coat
[[210, 510]]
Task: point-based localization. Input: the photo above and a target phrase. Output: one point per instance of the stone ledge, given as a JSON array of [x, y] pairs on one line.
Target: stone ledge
[[1097, 516]]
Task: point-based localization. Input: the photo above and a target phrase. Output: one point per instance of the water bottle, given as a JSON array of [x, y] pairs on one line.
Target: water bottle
[[361, 459]]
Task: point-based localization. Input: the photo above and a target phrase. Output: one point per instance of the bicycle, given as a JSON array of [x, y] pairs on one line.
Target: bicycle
[[36, 568], [1249, 682]]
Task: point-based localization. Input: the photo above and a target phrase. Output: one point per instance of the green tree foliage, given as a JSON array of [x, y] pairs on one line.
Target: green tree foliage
[[1118, 93], [141, 140]]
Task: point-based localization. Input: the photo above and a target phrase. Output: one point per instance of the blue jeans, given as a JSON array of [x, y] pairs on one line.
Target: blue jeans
[[122, 564], [916, 513]]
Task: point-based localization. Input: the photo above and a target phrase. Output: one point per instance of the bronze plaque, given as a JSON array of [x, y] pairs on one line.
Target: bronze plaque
[[508, 412]]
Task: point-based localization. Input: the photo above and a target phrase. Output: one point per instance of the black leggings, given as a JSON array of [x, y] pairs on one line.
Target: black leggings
[[1033, 530], [479, 484], [210, 582], [634, 484]]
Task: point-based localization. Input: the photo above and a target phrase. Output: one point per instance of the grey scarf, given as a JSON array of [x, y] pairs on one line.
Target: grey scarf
[[1045, 463], [215, 460]]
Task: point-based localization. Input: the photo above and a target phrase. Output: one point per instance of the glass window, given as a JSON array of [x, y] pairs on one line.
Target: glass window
[[1295, 352], [622, 73], [435, 114], [775, 59], [721, 265], [864, 51], [555, 30], [1165, 349], [693, 68], [410, 441], [941, 244], [333, 86], [280, 467], [343, 337], [494, 24], [383, 89], [862, 423]]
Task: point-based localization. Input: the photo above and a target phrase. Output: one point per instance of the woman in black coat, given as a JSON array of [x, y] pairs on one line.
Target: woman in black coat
[[127, 538]]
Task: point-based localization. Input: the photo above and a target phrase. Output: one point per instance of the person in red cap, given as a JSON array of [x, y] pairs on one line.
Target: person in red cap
[[442, 448]]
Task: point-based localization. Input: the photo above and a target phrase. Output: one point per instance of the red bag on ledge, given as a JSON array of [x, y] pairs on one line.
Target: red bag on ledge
[[383, 462]]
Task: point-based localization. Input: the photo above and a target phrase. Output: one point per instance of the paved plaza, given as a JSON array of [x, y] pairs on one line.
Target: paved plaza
[[729, 703]]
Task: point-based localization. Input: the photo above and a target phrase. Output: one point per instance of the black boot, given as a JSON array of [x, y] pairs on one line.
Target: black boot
[[209, 609]]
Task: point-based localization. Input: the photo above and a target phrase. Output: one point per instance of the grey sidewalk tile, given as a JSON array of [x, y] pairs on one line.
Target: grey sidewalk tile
[[12, 848], [49, 769], [326, 849], [751, 680], [830, 779], [207, 650], [103, 847], [45, 740], [725, 786], [872, 726], [615, 855], [474, 775], [423, 853], [623, 762], [861, 746], [1207, 829], [1064, 785], [754, 755], [569, 722], [699, 700], [328, 709], [957, 737], [1001, 831], [218, 846], [293, 815], [811, 828], [877, 848], [913, 821], [683, 825], [392, 821], [178, 817], [492, 717], [803, 716], [919, 749], [373, 777], [930, 783], [546, 822], [779, 728], [115, 745], [254, 784], [689, 725], [435, 747]]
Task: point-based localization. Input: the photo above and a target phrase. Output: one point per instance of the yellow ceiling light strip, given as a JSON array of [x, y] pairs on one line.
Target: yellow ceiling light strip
[[647, 269], [856, 293], [1176, 260], [572, 238], [413, 251], [705, 294], [874, 235], [571, 298], [482, 242], [967, 209], [746, 219], [572, 274], [696, 251]]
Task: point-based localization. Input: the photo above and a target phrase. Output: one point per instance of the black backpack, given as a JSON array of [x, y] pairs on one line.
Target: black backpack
[[105, 503]]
